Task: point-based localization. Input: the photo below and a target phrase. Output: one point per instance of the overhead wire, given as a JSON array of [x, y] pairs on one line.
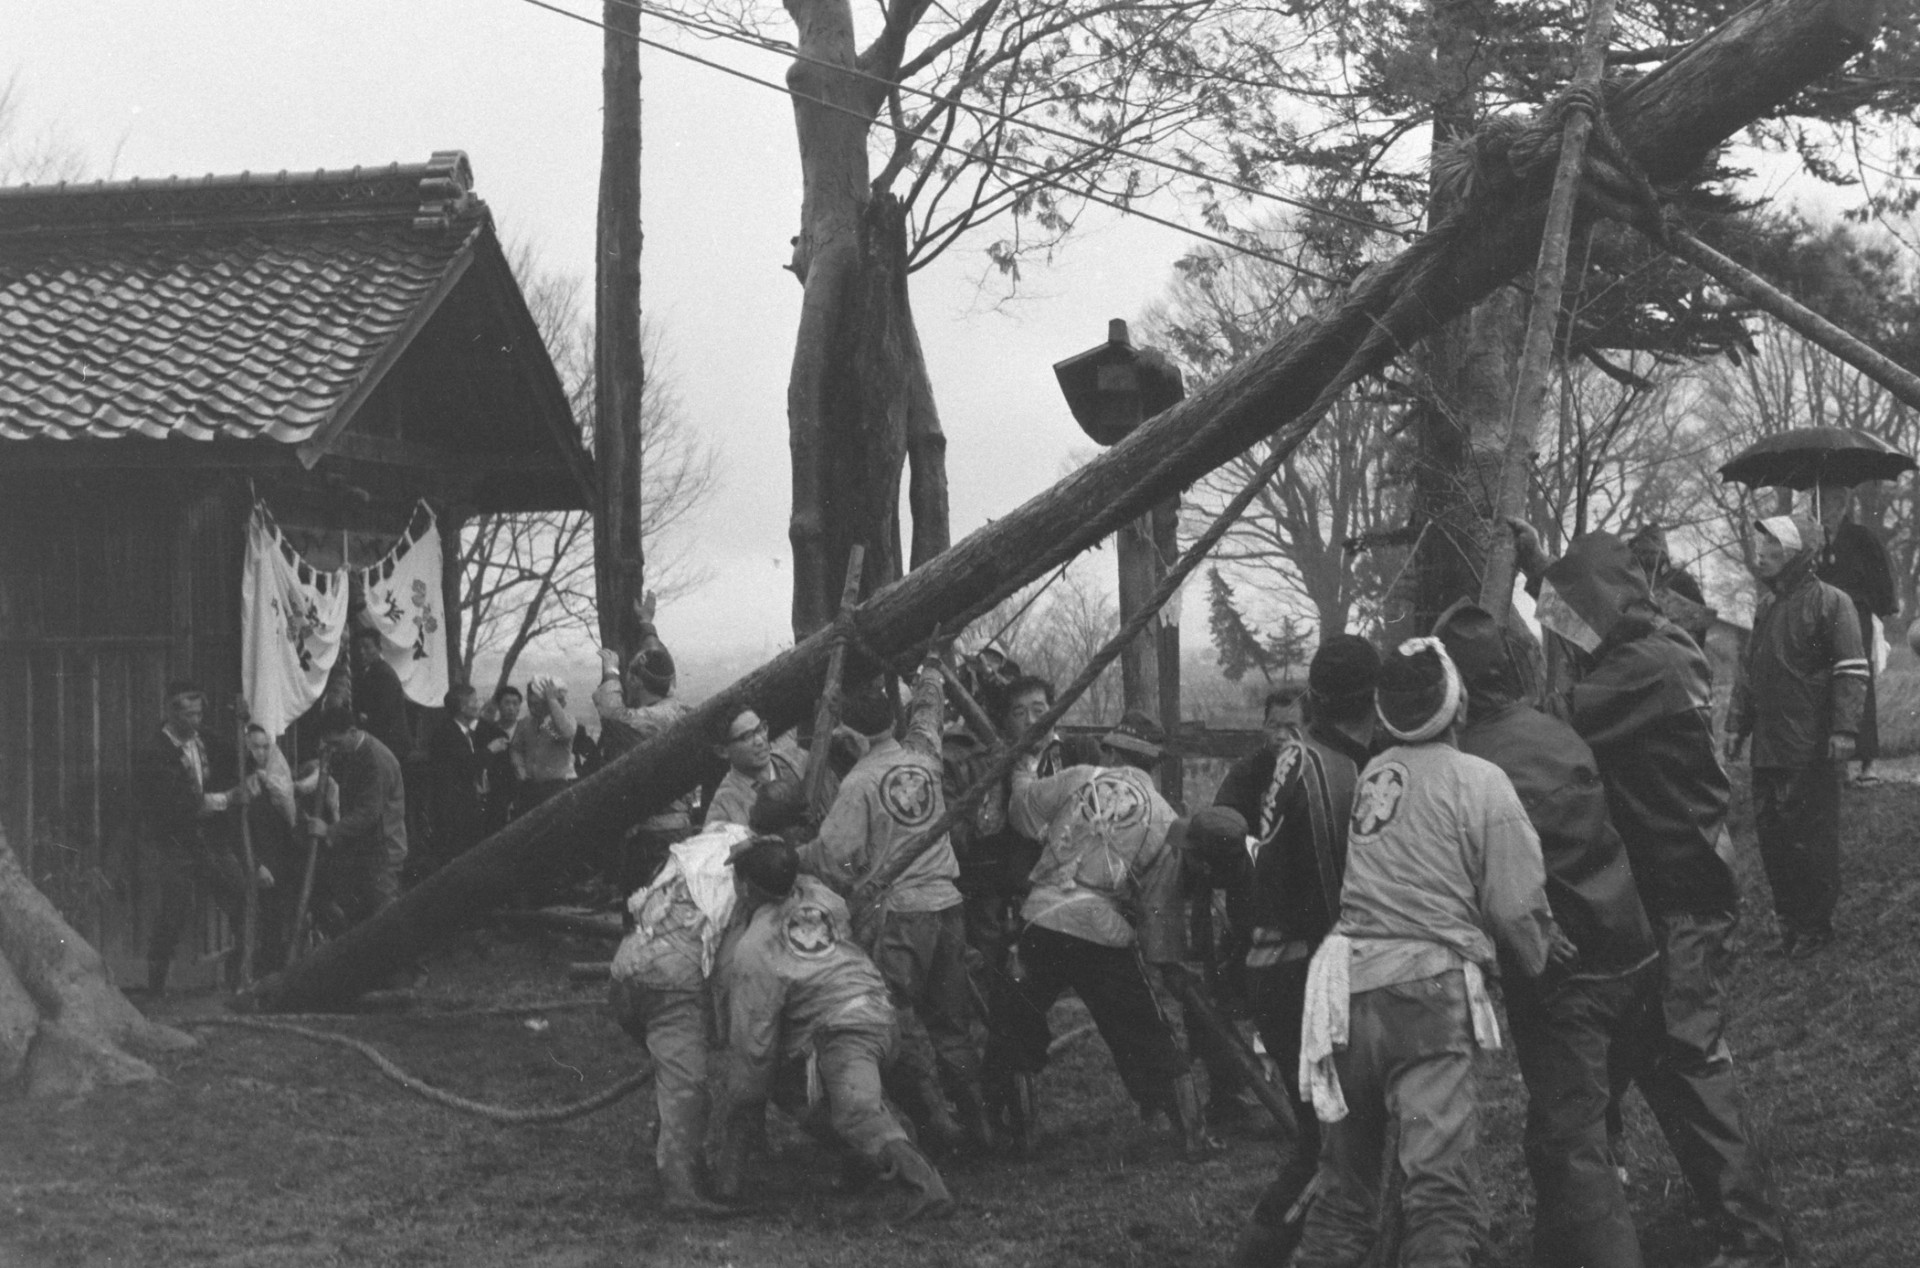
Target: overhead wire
[[986, 112], [1033, 171]]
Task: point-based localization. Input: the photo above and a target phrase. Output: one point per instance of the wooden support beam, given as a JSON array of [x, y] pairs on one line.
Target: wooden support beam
[[1667, 120]]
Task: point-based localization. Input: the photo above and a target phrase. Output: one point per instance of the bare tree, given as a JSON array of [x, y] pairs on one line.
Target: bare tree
[[1053, 629], [33, 156], [919, 125], [1291, 548], [529, 575]]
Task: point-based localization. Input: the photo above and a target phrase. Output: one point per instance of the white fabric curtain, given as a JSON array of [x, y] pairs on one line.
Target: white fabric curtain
[[404, 603], [292, 619]]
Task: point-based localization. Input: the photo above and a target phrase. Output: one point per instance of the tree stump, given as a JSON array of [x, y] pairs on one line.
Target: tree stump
[[64, 1028]]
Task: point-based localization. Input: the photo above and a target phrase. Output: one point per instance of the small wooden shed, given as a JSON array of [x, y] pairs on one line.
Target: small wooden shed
[[340, 344]]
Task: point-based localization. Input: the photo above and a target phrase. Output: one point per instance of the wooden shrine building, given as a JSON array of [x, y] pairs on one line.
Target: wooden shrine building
[[338, 344]]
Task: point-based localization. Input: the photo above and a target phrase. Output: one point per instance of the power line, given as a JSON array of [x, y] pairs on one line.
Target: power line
[[985, 112], [1034, 172]]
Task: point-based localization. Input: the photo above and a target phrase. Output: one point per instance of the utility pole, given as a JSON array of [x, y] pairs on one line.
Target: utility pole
[[1112, 388], [619, 369]]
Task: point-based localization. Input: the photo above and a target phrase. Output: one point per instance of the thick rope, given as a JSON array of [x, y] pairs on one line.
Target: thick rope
[[509, 1115]]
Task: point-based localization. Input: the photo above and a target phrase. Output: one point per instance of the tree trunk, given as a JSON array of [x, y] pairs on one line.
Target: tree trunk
[[1466, 370], [63, 1026], [858, 396], [619, 367], [1667, 120], [1468, 379]]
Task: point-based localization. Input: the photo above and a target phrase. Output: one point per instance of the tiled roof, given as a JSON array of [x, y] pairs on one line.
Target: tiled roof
[[239, 307]]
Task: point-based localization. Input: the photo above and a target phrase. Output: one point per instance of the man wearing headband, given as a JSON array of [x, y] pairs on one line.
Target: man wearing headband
[[1564, 1036], [1799, 692], [1643, 703], [1442, 867]]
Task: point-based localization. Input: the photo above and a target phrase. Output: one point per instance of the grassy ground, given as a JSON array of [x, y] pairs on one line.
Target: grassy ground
[[263, 1150]]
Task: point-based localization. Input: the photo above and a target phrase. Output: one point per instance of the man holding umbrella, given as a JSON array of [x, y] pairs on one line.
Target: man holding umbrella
[[1855, 562]]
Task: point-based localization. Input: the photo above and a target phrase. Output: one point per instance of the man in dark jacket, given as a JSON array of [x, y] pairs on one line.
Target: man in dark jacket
[[378, 698], [1564, 1034], [1640, 700], [1300, 808], [366, 845], [1799, 692], [1855, 561], [172, 782], [460, 749]]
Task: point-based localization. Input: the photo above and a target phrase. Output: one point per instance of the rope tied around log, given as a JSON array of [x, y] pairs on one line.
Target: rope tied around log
[[1507, 154]]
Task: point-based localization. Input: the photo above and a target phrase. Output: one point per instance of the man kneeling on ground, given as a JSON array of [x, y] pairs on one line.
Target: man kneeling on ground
[[795, 986]]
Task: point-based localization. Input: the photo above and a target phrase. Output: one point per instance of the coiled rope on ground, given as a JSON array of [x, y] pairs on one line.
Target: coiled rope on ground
[[509, 1115]]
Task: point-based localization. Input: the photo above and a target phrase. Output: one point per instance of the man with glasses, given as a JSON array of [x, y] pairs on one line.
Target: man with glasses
[[754, 760]]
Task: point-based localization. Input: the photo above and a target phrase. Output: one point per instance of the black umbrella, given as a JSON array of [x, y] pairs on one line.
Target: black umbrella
[[1810, 456]]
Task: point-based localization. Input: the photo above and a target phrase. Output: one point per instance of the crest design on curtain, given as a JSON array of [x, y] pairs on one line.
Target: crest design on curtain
[[293, 616], [403, 596]]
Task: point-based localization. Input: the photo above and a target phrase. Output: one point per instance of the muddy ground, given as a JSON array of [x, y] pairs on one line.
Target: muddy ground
[[268, 1150]]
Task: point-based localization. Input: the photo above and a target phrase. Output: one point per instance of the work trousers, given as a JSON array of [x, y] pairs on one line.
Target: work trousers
[[1409, 1063], [674, 1026], [1562, 1041], [1277, 995], [1676, 1052], [923, 957], [1796, 813], [181, 872], [1112, 983], [359, 884], [848, 1063]]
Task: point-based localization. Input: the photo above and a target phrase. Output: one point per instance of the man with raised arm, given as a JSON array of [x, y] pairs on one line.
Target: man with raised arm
[[915, 930]]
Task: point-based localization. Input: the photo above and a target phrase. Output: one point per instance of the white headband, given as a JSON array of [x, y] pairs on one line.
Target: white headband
[[1449, 706]]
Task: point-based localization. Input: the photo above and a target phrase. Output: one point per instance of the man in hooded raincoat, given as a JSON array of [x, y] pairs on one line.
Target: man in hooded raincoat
[[1799, 693], [1640, 699], [1564, 1035]]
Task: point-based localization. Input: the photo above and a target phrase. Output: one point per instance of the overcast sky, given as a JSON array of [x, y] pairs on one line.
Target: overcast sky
[[196, 86]]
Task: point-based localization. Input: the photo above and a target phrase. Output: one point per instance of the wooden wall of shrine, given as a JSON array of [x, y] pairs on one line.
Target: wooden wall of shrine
[[113, 583]]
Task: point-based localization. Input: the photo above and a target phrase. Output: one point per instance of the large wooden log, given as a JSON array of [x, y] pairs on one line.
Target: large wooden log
[[1669, 120]]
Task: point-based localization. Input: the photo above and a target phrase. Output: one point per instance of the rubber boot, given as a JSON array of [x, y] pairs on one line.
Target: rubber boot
[[730, 1155], [1261, 1247], [680, 1193], [976, 1125], [1023, 1114], [1189, 1120], [927, 1192], [937, 1124]]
